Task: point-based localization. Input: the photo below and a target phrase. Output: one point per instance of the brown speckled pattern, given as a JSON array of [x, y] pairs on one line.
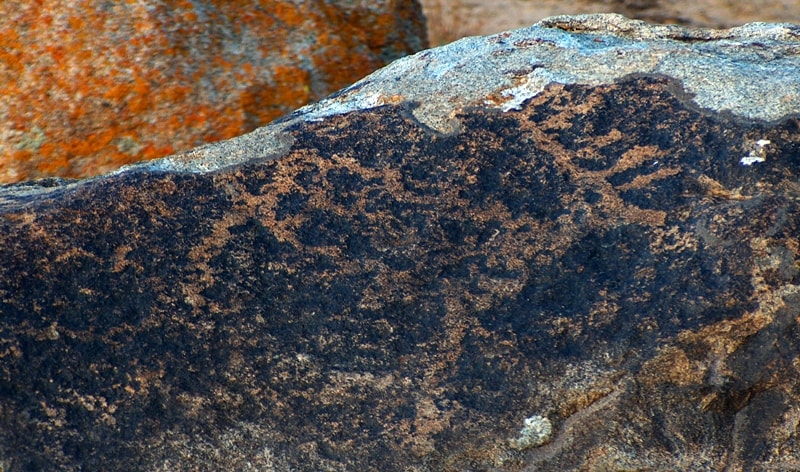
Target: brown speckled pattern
[[384, 297]]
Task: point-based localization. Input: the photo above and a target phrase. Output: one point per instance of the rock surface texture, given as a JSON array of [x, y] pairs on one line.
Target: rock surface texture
[[88, 85], [568, 247]]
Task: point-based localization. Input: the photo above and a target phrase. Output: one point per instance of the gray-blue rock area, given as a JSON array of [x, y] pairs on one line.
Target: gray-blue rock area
[[572, 246]]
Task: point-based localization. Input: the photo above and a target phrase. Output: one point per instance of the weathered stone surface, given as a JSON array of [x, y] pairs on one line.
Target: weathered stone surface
[[87, 86], [595, 271]]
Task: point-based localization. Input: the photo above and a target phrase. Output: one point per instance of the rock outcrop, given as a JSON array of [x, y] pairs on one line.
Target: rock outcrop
[[568, 247], [86, 87]]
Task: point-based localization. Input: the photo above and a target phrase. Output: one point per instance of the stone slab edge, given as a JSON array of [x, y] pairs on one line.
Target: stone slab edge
[[750, 72]]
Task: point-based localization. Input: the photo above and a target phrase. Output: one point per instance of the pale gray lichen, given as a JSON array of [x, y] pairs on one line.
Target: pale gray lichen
[[536, 431], [750, 71]]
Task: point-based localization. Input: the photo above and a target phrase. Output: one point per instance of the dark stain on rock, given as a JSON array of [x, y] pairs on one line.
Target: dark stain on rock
[[384, 296]]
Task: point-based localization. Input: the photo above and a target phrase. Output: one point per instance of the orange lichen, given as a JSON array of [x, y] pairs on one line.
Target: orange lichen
[[287, 13], [11, 51], [99, 87]]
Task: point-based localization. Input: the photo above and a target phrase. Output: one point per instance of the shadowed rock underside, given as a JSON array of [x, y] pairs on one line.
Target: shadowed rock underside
[[387, 297]]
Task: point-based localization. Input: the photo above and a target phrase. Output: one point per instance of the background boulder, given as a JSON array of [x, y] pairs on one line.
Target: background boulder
[[87, 86], [449, 20]]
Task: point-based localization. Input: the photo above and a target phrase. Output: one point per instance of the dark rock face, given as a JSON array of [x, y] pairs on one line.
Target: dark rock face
[[385, 296]]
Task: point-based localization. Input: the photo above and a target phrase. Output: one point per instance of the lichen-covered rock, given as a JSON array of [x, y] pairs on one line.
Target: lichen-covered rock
[[483, 257], [87, 86]]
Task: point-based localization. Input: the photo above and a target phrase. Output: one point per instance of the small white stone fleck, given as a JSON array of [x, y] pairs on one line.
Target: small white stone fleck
[[756, 155], [751, 159]]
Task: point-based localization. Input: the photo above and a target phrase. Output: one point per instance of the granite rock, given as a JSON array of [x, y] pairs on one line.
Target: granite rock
[[567, 247], [87, 86]]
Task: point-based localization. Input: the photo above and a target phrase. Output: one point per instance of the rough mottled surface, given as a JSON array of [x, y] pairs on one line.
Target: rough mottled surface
[[594, 280], [88, 85]]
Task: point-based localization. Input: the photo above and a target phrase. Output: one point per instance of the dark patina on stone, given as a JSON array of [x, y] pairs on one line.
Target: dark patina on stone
[[386, 296]]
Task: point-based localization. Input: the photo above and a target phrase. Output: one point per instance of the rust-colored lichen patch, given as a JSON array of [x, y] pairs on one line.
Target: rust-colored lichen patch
[[87, 86]]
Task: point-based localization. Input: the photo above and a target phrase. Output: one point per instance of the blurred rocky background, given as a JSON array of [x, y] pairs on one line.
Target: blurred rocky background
[[88, 85], [449, 20]]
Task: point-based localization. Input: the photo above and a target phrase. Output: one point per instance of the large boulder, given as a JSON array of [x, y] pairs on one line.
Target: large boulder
[[87, 86], [567, 247]]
